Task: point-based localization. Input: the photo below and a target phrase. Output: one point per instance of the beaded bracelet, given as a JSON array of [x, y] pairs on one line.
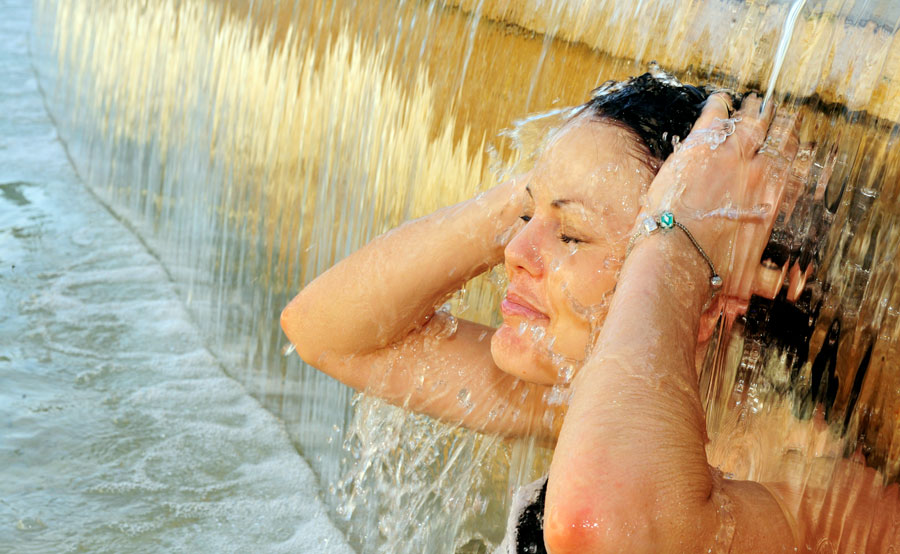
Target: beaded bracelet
[[667, 221]]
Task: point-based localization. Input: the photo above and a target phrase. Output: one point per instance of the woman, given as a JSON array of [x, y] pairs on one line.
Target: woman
[[594, 303]]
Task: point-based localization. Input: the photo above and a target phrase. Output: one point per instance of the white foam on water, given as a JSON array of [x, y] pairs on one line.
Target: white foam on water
[[119, 431]]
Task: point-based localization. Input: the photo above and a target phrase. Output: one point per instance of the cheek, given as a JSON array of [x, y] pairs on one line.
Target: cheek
[[582, 285], [579, 294]]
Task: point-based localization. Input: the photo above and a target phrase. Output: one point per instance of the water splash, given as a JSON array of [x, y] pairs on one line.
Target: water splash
[[712, 137], [407, 468], [253, 149]]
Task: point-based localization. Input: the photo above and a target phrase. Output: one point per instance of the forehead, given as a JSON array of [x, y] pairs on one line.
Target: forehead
[[593, 162]]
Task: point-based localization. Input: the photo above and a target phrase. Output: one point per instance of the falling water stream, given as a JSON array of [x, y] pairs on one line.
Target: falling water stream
[[786, 34], [246, 146], [119, 430]]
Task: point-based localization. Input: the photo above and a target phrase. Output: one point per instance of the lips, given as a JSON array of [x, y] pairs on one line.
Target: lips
[[515, 305]]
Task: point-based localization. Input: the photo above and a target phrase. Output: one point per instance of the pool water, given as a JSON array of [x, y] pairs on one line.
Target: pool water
[[119, 430]]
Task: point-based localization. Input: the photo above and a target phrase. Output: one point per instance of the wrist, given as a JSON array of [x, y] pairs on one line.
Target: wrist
[[666, 223], [663, 288], [668, 262], [502, 206]]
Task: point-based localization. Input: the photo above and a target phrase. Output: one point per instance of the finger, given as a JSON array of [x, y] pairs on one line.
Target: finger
[[783, 139], [750, 107], [754, 125], [717, 106], [791, 124], [775, 157], [798, 176], [768, 185], [768, 280]]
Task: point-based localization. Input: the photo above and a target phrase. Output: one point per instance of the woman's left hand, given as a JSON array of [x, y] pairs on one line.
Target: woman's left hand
[[725, 183], [630, 472]]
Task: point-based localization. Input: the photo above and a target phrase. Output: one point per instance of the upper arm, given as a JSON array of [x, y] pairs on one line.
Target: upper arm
[[445, 369]]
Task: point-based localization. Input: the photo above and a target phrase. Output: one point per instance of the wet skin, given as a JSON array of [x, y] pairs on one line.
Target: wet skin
[[630, 471], [579, 206]]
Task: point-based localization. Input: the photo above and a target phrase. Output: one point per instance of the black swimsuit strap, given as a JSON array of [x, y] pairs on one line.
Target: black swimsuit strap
[[530, 527]]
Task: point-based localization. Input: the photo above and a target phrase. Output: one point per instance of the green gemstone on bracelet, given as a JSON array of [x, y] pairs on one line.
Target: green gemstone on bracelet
[[666, 220]]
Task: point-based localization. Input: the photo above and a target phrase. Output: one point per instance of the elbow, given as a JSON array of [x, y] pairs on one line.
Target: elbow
[[298, 333], [589, 523], [560, 539], [570, 529], [287, 321]]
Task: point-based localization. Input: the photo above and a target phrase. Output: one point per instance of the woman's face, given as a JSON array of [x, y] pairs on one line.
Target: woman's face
[[580, 206]]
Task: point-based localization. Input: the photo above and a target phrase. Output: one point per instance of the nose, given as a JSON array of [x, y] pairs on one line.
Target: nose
[[523, 252]]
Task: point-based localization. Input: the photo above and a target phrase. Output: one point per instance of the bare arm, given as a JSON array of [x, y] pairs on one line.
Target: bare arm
[[630, 472], [391, 286], [369, 321]]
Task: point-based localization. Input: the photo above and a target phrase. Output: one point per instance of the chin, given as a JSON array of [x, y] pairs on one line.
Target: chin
[[520, 356]]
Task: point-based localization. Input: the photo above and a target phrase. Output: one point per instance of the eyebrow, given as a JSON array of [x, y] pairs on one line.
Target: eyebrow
[[562, 202], [558, 203]]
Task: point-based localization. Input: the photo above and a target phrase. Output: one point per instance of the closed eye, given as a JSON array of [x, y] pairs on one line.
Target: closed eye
[[567, 239]]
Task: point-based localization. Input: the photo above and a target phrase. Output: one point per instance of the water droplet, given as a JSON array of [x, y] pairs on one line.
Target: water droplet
[[557, 395], [611, 261], [566, 372], [464, 397]]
